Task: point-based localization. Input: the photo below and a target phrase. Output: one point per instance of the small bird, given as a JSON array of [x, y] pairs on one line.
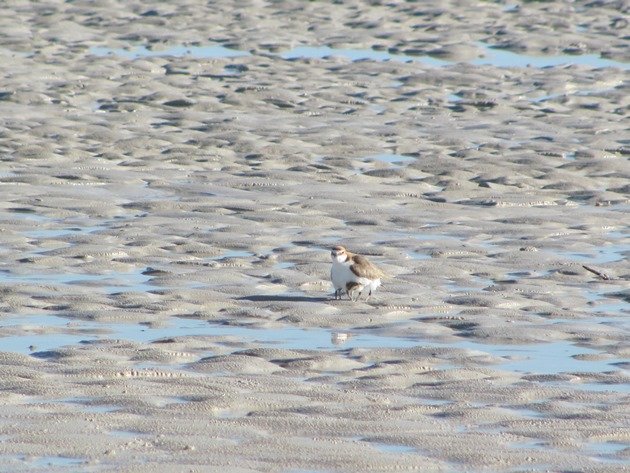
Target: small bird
[[353, 273]]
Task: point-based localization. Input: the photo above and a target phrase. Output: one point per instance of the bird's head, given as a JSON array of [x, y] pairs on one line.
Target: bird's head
[[339, 254]]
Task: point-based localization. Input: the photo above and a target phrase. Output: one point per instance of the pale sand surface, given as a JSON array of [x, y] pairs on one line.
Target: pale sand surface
[[165, 226]]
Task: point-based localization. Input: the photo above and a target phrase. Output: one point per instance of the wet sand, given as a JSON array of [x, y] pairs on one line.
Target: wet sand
[[174, 176]]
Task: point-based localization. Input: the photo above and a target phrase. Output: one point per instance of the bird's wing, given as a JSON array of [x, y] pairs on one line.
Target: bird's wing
[[362, 268]]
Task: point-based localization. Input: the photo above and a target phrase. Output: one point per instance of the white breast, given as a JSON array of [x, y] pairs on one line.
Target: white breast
[[340, 274]]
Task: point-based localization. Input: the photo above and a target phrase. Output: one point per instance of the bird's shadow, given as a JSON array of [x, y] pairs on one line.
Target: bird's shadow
[[283, 298]]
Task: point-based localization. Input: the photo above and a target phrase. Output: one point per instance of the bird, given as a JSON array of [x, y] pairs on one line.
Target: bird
[[353, 274]]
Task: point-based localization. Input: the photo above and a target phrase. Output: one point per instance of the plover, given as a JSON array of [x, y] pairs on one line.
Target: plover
[[353, 273]]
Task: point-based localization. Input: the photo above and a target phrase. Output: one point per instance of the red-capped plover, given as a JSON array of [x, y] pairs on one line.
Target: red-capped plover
[[353, 273]]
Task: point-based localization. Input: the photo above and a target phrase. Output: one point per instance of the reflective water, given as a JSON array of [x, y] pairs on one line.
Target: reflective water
[[608, 451], [42, 463], [283, 265], [127, 434], [434, 402], [23, 214], [503, 58], [109, 283], [71, 332], [606, 254], [46, 462], [29, 333], [418, 256], [392, 448], [491, 56], [613, 309], [53, 233], [393, 159], [544, 358]]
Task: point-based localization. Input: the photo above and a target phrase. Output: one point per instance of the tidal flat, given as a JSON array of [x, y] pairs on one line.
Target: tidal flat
[[174, 175]]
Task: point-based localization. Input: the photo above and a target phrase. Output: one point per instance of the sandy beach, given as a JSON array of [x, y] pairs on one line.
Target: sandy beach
[[173, 177]]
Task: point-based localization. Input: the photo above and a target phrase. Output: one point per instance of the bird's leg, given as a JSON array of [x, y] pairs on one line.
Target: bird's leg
[[352, 287]]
